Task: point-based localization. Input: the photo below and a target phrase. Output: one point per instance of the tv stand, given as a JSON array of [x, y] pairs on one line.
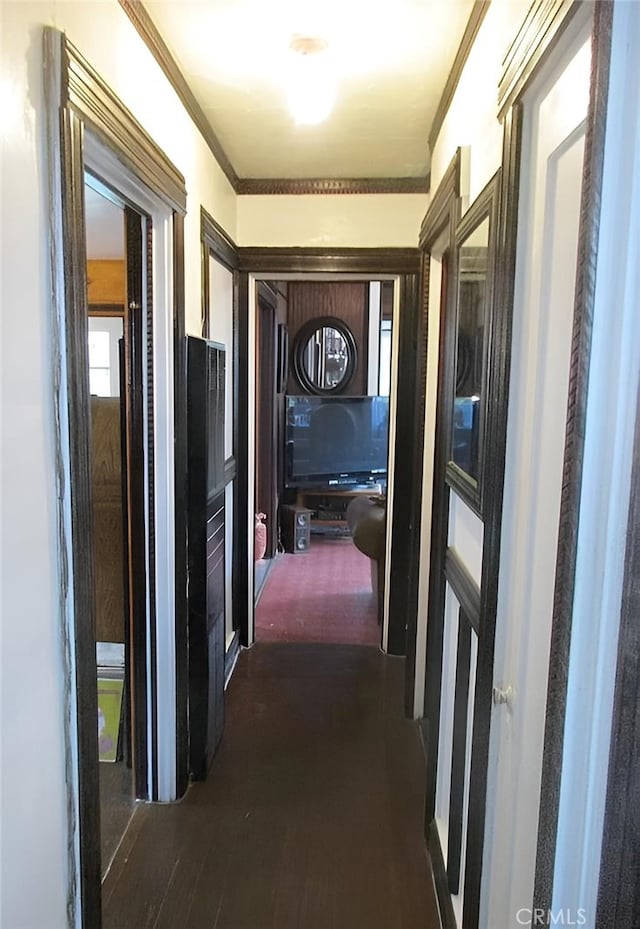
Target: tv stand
[[329, 506]]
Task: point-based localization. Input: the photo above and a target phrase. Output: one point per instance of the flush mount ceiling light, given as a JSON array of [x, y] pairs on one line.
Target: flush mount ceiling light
[[311, 81]]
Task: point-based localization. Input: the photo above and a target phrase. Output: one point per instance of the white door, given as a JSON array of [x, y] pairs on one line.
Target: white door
[[551, 181]]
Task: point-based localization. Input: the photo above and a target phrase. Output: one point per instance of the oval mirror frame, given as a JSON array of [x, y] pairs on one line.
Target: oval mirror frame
[[301, 342]]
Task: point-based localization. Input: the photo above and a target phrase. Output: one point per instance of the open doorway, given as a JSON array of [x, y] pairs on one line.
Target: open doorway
[[116, 249], [323, 380]]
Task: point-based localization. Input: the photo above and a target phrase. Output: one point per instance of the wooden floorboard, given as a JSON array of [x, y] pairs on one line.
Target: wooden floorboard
[[311, 817]]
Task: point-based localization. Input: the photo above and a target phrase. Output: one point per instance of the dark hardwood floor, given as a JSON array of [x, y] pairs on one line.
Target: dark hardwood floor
[[311, 817]]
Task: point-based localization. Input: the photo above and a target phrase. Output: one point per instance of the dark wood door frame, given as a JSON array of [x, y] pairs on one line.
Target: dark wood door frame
[[404, 263], [218, 245], [78, 99], [267, 422]]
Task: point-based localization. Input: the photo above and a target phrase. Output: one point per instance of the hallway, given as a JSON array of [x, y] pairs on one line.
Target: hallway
[[310, 819]]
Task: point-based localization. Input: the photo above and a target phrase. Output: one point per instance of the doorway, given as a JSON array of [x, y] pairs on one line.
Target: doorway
[[110, 379], [323, 375]]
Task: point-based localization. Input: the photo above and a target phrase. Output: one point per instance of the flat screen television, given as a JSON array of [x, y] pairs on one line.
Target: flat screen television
[[336, 441]]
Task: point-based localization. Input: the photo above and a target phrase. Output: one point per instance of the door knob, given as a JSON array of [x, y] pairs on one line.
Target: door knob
[[503, 696]]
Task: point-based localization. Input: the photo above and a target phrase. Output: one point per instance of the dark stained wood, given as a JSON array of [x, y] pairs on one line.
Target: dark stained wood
[[241, 539], [266, 431], [618, 892], [570, 500], [136, 361], [96, 104], [77, 97], [374, 261], [221, 245], [346, 301], [310, 818], [180, 489], [466, 591], [543, 24], [485, 206], [108, 518], [333, 185], [478, 13], [439, 224], [407, 476], [458, 753], [74, 510]]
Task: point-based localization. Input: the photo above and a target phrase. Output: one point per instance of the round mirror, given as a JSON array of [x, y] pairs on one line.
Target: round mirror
[[324, 355]]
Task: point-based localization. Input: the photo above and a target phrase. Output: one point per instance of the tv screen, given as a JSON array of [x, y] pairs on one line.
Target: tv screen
[[334, 441]]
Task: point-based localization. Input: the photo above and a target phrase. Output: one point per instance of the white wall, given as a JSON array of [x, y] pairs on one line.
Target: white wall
[[472, 117], [35, 830], [340, 220]]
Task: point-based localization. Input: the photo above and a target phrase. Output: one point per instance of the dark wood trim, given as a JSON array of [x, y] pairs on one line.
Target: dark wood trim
[[151, 37], [497, 409], [241, 540], [542, 27], [618, 898], [478, 13], [216, 243], [485, 206], [464, 587], [181, 506], [372, 261], [573, 456], [138, 352], [106, 309], [91, 98], [333, 185], [459, 752], [407, 475], [77, 98], [439, 223], [438, 217], [205, 315], [440, 880], [219, 244], [420, 390], [68, 178]]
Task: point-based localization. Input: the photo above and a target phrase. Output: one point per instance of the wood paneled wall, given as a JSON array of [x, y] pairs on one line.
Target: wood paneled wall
[[348, 302], [106, 281]]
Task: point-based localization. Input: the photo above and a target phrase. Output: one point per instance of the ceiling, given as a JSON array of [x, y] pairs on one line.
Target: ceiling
[[391, 63]]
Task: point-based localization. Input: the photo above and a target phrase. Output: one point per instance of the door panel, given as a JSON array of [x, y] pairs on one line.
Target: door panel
[[551, 181]]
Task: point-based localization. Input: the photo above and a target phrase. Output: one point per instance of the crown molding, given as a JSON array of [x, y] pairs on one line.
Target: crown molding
[[150, 35], [336, 185], [478, 13], [541, 28]]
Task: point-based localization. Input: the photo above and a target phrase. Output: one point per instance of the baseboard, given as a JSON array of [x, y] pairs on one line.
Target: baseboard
[[443, 897]]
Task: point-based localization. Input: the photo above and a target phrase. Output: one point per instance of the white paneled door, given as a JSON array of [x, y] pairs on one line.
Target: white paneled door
[[555, 111]]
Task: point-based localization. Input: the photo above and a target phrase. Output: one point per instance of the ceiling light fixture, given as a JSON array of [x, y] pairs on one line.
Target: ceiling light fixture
[[312, 83]]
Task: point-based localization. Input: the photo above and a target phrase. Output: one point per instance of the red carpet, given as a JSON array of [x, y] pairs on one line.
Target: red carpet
[[323, 595]]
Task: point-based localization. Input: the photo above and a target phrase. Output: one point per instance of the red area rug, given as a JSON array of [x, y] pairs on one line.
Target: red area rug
[[323, 595]]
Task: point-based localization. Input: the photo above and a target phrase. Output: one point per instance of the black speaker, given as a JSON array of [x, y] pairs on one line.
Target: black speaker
[[296, 529]]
